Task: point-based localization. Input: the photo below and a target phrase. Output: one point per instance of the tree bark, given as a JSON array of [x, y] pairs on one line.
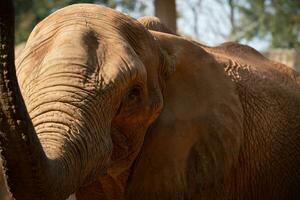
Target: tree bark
[[18, 142], [166, 11], [30, 174]]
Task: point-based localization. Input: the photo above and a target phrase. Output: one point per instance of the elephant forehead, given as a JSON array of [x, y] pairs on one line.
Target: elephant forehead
[[75, 46], [91, 54], [104, 22]]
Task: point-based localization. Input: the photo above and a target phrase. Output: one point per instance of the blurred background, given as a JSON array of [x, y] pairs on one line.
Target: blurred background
[[270, 26]]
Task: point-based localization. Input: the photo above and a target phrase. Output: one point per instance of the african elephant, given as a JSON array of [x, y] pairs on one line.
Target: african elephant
[[89, 77], [220, 122]]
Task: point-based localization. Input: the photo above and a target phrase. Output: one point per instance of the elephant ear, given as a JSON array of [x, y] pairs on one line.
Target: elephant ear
[[191, 149]]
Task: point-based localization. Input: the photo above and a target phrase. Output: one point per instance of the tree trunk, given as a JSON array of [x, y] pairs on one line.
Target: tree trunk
[[18, 144], [30, 173], [166, 11]]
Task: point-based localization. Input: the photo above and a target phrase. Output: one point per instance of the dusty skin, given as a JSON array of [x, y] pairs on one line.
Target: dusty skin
[[115, 110]]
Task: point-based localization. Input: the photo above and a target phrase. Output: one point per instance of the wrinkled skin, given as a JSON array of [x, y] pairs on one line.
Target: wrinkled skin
[[205, 145], [89, 77], [94, 82]]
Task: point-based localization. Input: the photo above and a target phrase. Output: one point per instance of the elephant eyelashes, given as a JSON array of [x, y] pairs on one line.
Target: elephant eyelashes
[[134, 94], [131, 100]]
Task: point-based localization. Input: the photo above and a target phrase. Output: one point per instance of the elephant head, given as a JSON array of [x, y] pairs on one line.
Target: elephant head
[[92, 81], [89, 77]]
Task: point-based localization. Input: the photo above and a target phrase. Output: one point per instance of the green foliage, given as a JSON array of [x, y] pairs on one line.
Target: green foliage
[[277, 19], [30, 12]]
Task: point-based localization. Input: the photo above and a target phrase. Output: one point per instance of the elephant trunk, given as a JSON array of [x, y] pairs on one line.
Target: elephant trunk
[[45, 169], [78, 147]]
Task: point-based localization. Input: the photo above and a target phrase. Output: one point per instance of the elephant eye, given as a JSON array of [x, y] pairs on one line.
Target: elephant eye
[[131, 100], [134, 94]]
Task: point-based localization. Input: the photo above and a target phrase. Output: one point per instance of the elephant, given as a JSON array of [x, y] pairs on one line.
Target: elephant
[[19, 48], [208, 145], [86, 91], [108, 107]]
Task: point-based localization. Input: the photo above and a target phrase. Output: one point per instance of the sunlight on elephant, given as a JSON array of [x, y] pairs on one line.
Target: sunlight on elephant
[[109, 107], [19, 49], [88, 77]]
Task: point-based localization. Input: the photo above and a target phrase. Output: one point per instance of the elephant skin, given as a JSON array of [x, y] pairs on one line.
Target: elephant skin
[[89, 79], [126, 109], [19, 49], [207, 144]]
